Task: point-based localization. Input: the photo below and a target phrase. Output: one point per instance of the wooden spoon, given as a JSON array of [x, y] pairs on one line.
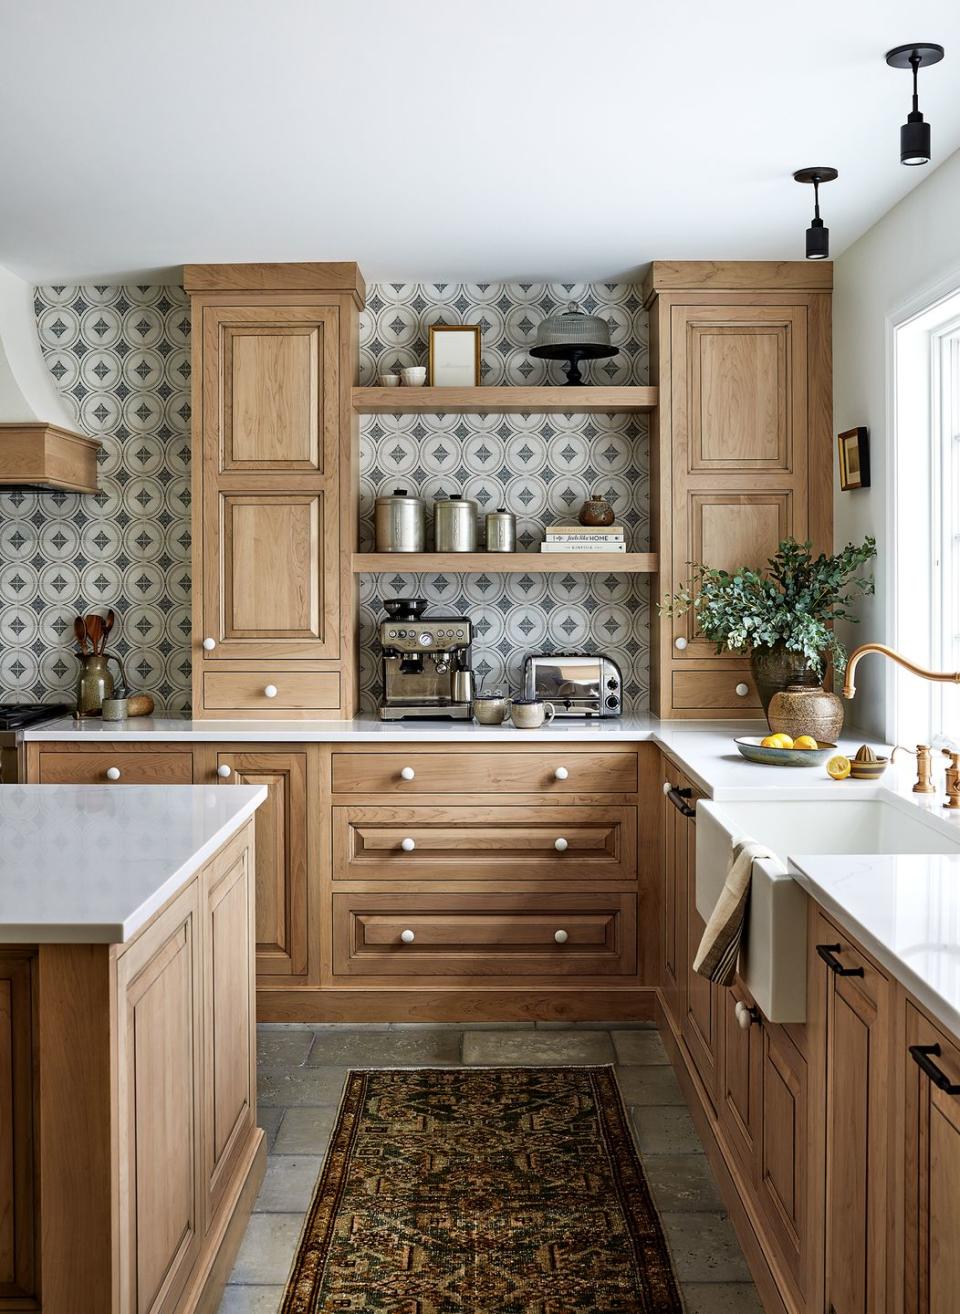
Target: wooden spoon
[[107, 627], [94, 624], [80, 632]]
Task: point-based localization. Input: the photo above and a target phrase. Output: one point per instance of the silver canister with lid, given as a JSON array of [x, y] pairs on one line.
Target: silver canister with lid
[[399, 522], [501, 530], [455, 524]]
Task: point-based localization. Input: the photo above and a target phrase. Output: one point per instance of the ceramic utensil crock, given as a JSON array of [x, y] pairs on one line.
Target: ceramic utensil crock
[[96, 683]]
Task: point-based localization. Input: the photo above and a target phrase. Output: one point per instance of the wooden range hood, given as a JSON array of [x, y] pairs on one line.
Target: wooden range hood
[[39, 448]]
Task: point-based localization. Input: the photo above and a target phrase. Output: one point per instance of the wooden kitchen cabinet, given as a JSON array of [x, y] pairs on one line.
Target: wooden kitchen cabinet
[[928, 1069], [274, 360], [285, 903], [858, 1096], [675, 829], [701, 1024], [741, 446], [19, 1232]]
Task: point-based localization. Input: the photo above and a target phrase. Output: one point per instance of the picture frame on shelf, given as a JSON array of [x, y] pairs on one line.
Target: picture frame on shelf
[[454, 356], [854, 452]]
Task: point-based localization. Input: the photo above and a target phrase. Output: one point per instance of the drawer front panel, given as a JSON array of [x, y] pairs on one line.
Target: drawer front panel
[[295, 691], [714, 690], [551, 773], [467, 936], [500, 843], [133, 768]]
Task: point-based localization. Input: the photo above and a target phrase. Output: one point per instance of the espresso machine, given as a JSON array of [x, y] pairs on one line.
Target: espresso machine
[[426, 663]]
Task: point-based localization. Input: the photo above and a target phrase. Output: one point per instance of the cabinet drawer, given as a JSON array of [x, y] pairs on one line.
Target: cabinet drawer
[[714, 690], [549, 936], [554, 772], [134, 768], [296, 691], [498, 843]]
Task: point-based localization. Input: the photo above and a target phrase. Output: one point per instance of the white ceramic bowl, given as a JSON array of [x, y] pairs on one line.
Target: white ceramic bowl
[[415, 376], [388, 380]]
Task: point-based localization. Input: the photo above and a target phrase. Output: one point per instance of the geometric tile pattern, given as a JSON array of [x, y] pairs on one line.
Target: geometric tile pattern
[[541, 467], [120, 356]]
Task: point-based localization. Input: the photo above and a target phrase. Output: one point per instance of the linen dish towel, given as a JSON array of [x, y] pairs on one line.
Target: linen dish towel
[[720, 946]]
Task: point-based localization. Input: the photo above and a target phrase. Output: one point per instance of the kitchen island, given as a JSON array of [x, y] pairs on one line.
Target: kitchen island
[[129, 1151]]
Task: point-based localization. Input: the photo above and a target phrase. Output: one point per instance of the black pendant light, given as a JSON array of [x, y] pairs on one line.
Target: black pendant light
[[818, 236], [915, 134]]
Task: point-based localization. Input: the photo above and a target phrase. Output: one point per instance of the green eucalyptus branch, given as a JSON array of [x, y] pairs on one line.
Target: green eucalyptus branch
[[793, 601]]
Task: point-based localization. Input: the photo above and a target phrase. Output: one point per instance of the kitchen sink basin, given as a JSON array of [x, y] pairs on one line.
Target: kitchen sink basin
[[773, 963]]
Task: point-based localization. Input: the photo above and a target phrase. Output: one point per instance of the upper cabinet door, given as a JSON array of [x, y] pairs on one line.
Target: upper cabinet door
[[274, 401], [740, 441], [270, 525]]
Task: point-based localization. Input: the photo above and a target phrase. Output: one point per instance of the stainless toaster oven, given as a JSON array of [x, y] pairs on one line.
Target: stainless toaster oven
[[576, 684]]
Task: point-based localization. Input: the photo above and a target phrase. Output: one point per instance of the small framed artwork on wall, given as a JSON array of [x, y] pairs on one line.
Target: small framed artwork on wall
[[454, 359], [854, 459]]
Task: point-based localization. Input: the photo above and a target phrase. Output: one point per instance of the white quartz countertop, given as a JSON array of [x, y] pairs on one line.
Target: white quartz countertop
[[90, 864]]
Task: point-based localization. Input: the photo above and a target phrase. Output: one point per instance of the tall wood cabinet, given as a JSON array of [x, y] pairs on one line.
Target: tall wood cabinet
[[18, 1145], [741, 446], [274, 359]]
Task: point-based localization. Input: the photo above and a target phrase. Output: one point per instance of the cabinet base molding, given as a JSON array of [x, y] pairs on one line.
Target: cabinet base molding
[[477, 1005], [773, 1286]]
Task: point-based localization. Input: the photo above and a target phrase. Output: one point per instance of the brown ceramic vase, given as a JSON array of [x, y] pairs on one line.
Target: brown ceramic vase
[[596, 511], [777, 668]]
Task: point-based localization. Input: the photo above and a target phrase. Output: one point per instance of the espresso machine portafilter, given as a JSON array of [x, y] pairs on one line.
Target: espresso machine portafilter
[[425, 662]]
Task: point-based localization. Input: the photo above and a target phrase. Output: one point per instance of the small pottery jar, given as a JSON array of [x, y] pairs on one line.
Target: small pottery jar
[[115, 709], [490, 709], [803, 710], [596, 510], [530, 713]]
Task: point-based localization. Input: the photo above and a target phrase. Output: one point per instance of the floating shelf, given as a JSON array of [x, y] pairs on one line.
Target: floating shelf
[[509, 563], [508, 401]]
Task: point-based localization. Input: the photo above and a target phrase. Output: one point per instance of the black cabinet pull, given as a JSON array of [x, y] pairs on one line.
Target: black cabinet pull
[[921, 1056], [677, 797], [827, 952]]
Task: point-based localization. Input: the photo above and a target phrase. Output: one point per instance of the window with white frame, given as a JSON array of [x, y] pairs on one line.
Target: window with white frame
[[926, 520]]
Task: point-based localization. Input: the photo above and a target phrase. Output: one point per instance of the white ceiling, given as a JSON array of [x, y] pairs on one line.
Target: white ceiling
[[555, 139]]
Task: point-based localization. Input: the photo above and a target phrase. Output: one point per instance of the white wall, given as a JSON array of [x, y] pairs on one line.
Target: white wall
[[907, 257]]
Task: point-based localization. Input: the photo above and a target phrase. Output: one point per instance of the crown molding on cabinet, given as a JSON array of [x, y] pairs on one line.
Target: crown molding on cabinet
[[309, 276], [737, 276]]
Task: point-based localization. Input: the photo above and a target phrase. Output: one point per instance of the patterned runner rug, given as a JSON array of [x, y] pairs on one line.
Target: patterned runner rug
[[482, 1191]]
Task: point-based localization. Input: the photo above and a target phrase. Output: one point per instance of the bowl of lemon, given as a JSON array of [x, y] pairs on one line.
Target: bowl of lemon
[[781, 750]]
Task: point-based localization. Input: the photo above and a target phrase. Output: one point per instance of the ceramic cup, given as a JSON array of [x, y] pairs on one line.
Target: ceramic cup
[[388, 380], [530, 713], [115, 709], [415, 376], [490, 709]]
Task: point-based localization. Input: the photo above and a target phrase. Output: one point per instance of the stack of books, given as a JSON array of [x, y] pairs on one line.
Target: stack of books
[[584, 538]]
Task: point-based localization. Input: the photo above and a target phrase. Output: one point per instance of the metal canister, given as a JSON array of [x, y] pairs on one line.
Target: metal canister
[[455, 524], [399, 522], [501, 530]]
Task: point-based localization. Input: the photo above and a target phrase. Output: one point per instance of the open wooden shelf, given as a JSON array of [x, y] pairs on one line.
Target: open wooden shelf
[[509, 401], [509, 563]]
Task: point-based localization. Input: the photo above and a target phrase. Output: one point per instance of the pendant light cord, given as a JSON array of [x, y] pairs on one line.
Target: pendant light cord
[[915, 65]]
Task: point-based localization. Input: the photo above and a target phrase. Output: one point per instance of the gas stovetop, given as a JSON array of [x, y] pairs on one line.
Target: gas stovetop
[[14, 716]]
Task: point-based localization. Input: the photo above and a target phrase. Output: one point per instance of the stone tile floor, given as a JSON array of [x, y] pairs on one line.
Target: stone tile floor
[[301, 1074]]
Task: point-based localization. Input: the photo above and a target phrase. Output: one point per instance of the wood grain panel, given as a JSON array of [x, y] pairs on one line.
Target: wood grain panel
[[18, 1186], [710, 690], [741, 1098], [784, 1146], [501, 843], [272, 407], [482, 772], [46, 456], [245, 690], [740, 417], [272, 573], [71, 767]]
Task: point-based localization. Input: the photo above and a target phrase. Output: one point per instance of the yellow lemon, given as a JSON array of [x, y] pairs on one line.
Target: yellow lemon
[[805, 741], [771, 741], [838, 768]]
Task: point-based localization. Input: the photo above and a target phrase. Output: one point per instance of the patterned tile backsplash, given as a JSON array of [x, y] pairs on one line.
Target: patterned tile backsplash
[[121, 358]]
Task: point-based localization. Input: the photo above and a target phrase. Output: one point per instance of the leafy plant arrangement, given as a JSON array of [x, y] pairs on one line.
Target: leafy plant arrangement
[[792, 603]]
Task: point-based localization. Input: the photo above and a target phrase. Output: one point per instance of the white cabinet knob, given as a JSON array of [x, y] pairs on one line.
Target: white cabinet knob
[[742, 690], [560, 844], [561, 773], [407, 773], [270, 691], [560, 937], [113, 773], [666, 787], [224, 772], [209, 645], [680, 643], [746, 1016], [408, 844], [407, 937]]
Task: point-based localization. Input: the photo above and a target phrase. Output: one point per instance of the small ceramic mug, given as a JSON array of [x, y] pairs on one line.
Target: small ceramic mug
[[490, 709], [115, 709], [388, 380], [530, 713]]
